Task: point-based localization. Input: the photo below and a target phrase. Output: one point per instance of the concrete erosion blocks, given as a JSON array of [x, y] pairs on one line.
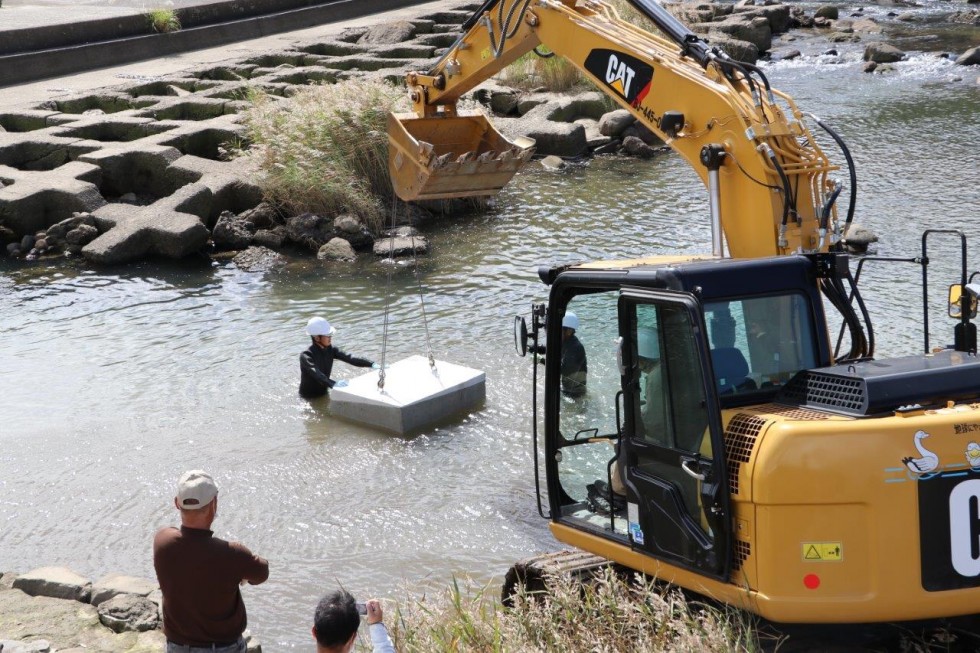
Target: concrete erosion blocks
[[415, 396], [56, 582], [112, 585]]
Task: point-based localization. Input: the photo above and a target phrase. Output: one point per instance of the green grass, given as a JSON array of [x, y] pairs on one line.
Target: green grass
[[613, 613], [325, 150], [163, 20]]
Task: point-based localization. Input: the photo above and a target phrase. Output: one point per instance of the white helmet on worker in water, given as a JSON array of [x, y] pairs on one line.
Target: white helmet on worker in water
[[648, 343], [570, 321], [318, 326]]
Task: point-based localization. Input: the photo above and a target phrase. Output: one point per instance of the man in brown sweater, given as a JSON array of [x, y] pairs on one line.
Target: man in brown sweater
[[200, 574]]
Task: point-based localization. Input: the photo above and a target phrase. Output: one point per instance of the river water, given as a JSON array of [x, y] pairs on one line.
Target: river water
[[113, 382]]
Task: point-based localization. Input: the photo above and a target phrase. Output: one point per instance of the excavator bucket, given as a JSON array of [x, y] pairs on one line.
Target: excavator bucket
[[451, 156]]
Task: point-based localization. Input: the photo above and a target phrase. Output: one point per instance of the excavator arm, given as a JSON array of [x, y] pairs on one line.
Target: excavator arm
[[769, 186]]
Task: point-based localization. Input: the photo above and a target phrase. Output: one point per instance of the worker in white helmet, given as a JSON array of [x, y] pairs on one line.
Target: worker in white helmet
[[316, 363], [574, 364]]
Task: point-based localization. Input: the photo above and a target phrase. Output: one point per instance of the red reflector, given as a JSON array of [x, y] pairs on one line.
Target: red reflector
[[811, 581]]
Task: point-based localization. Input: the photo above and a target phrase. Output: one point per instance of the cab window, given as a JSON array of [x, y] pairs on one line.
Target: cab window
[[759, 343]]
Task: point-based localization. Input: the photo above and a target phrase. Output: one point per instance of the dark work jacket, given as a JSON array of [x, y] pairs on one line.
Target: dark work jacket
[[574, 367], [315, 365]]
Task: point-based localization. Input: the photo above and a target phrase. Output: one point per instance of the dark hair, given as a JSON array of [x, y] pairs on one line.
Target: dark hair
[[336, 618]]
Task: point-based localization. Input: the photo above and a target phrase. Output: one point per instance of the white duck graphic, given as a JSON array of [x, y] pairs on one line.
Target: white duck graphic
[[927, 463], [973, 455]]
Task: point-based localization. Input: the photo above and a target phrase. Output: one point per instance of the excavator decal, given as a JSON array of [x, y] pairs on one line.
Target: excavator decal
[[927, 462], [629, 77], [973, 456]]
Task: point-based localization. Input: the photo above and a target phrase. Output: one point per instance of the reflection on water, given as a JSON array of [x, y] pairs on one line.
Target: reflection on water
[[115, 381]]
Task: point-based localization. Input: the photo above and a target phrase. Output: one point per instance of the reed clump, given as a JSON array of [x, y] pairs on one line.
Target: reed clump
[[325, 149], [612, 613]]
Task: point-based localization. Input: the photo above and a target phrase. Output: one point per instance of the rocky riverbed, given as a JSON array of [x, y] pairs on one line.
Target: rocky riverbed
[[142, 170], [56, 609]]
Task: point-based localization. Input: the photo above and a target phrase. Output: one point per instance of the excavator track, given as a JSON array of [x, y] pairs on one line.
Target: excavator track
[[535, 574]]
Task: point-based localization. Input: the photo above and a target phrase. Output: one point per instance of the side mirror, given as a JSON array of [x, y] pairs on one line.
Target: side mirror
[[955, 305], [520, 336]]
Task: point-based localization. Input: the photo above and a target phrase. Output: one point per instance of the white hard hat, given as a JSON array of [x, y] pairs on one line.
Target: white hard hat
[[570, 321], [648, 343], [317, 326]]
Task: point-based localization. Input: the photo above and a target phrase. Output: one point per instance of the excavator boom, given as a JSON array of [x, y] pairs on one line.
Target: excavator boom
[[768, 180]]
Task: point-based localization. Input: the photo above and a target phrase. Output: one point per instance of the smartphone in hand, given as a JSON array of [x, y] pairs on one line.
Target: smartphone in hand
[[361, 608]]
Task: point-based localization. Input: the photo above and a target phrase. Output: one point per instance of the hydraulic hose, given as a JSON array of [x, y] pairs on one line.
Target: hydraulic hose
[[787, 189], [825, 213], [869, 329], [852, 173], [739, 67]]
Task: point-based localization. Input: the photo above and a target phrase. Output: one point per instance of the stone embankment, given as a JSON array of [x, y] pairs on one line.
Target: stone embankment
[[56, 609], [142, 170]]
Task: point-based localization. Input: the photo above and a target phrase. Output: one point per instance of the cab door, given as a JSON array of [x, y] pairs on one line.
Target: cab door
[[674, 467]]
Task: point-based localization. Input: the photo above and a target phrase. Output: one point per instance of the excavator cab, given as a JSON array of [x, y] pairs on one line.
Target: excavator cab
[[638, 465]]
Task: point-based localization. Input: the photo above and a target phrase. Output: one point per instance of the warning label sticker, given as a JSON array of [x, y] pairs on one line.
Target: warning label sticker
[[823, 551]]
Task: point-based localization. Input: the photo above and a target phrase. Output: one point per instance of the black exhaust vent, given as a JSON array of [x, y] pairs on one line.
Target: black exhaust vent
[[887, 385], [815, 388]]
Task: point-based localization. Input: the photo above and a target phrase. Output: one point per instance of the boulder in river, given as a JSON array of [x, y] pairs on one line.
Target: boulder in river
[[882, 53], [969, 58], [613, 124], [310, 230], [636, 147], [336, 249], [232, 232]]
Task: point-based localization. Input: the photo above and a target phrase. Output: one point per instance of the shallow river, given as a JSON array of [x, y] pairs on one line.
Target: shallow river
[[114, 382]]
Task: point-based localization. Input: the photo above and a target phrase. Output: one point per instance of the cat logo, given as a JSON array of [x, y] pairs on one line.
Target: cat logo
[[619, 76], [626, 75]]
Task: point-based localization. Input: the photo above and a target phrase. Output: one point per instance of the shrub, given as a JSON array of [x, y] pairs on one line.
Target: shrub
[[325, 150], [164, 20]]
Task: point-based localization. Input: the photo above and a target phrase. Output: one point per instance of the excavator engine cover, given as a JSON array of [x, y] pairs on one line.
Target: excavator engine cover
[[443, 156], [875, 387]]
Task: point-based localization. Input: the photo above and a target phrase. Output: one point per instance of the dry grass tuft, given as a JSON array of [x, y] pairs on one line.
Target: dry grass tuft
[[553, 73], [325, 150], [611, 614]]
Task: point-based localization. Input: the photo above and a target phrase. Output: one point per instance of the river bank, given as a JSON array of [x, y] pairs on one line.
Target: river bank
[[56, 609]]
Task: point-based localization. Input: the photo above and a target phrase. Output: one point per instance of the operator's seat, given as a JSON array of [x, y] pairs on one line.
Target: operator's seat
[[731, 370]]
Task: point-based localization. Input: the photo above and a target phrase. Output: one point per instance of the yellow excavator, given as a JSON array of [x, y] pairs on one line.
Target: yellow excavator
[[752, 461]]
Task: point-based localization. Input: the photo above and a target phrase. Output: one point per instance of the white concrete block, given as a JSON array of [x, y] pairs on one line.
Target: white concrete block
[[414, 397]]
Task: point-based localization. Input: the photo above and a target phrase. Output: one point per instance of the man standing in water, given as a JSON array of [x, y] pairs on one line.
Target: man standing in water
[[316, 363], [200, 574], [574, 366]]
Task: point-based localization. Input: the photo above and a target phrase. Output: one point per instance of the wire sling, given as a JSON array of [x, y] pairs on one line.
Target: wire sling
[[418, 280]]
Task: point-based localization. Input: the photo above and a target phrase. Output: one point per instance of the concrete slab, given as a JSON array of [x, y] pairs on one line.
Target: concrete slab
[[415, 396]]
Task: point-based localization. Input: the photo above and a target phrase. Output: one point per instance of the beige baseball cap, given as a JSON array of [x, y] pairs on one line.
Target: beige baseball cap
[[195, 489]]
